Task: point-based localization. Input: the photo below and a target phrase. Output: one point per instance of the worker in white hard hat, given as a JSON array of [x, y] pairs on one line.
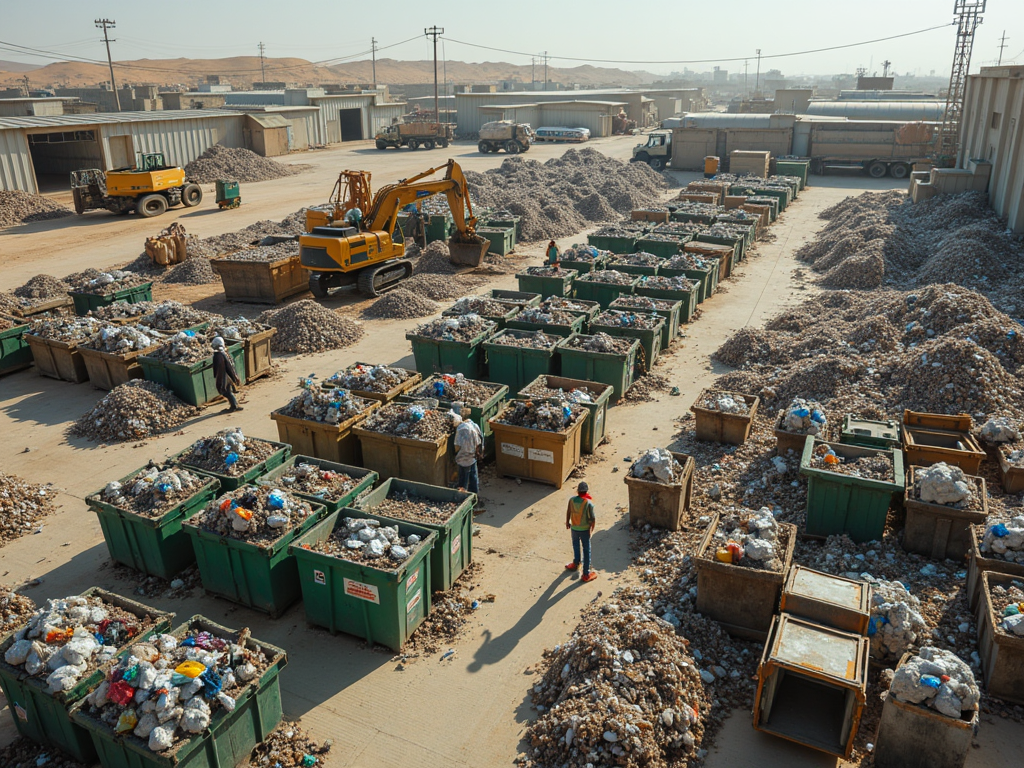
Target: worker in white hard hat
[[224, 373]]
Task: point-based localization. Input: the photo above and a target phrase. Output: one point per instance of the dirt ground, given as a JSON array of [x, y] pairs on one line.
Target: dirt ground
[[469, 708]]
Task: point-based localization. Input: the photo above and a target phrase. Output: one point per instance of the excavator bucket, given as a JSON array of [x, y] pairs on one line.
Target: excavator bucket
[[468, 253]]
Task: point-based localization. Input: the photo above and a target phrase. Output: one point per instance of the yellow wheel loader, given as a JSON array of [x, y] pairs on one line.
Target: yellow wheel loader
[[356, 240], [149, 188]]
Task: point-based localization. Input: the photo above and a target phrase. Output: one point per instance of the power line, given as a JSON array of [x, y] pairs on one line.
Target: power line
[[707, 61], [106, 24]]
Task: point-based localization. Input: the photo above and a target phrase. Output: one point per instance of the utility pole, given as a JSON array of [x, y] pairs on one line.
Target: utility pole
[[263, 73], [757, 82], [106, 24], [373, 48], [533, 73], [27, 86], [885, 68], [545, 70], [746, 64], [435, 32], [1002, 45]]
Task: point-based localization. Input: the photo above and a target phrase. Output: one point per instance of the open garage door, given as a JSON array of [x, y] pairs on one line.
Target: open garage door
[[351, 124], [55, 155]]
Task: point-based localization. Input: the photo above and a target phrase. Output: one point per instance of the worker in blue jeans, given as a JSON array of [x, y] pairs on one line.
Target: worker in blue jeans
[[580, 520]]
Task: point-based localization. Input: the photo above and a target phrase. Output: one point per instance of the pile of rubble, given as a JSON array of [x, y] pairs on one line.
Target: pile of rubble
[[181, 682], [42, 288], [327, 406], [229, 452], [526, 340], [196, 271], [936, 679], [580, 395], [565, 195], [872, 467], [14, 609], [134, 410], [403, 505], [400, 304], [663, 283], [803, 417], [306, 326], [119, 339], [184, 348], [363, 540], [24, 753], [237, 164], [545, 316], [749, 539], [440, 287], [480, 305], [22, 505], [657, 465], [460, 328], [370, 378], [619, 319], [585, 253], [609, 276], [601, 342], [413, 421], [1008, 603], [265, 253], [69, 330], [237, 328], [1005, 541], [943, 349], [314, 480], [260, 232], [725, 402], [435, 260], [459, 389], [17, 207], [545, 271], [542, 415], [256, 514], [288, 746], [120, 310], [173, 316], [109, 282], [623, 690], [942, 484], [638, 259], [153, 490]]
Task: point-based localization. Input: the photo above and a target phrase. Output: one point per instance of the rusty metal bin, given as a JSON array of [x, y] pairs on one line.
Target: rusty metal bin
[[422, 461], [742, 600], [257, 354], [925, 447], [916, 736], [785, 440], [1002, 654], [719, 427], [661, 504], [834, 601], [331, 442], [107, 370], [261, 282], [812, 685], [1010, 476], [57, 359], [938, 531], [979, 564], [535, 454]]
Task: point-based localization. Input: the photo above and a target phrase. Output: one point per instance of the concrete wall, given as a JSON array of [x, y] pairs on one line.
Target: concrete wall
[[31, 107], [993, 130]]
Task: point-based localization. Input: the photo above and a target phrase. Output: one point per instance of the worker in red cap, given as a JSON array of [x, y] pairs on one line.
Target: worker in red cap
[[580, 520]]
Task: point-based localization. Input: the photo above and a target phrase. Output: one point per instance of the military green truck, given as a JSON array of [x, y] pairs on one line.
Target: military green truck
[[415, 135]]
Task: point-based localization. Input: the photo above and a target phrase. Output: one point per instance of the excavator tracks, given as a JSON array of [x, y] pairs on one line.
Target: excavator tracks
[[373, 281]]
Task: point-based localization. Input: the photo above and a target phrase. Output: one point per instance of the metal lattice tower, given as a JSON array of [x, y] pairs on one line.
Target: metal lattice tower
[[968, 18]]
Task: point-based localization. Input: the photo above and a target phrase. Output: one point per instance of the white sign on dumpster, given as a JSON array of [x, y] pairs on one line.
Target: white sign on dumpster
[[511, 449], [361, 591], [535, 454]]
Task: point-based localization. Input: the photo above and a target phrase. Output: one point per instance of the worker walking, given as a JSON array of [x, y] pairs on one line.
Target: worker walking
[[580, 520], [553, 255], [469, 441], [224, 373]]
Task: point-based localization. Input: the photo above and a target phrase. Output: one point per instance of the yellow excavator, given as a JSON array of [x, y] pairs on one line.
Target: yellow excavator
[[356, 240]]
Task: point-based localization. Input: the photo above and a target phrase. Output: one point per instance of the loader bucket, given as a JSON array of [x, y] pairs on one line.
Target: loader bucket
[[468, 253]]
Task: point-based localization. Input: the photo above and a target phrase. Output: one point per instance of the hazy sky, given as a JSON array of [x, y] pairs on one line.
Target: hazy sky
[[600, 29]]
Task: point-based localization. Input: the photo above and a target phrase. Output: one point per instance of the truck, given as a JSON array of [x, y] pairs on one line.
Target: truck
[[415, 134], [656, 152], [149, 188], [505, 134]]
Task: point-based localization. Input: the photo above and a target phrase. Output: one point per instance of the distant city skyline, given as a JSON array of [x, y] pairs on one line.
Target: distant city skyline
[[656, 38]]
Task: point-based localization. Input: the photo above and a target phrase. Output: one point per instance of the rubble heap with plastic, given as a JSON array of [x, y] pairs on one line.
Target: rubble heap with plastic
[[184, 348], [657, 465], [109, 282], [623, 691], [173, 316], [546, 416], [575, 395], [1008, 604], [327, 406], [751, 539], [726, 402], [69, 330], [258, 515], [458, 388], [166, 690], [414, 420], [134, 410], [619, 319], [601, 342], [22, 504], [459, 328], [686, 261], [67, 638], [403, 505], [877, 466], [527, 340], [313, 480], [116, 339], [1005, 541], [229, 452], [638, 259], [942, 484], [803, 417], [608, 276], [545, 316], [896, 623], [583, 252], [1000, 430], [370, 378], [238, 328], [363, 540], [153, 489], [663, 283], [481, 305], [936, 679]]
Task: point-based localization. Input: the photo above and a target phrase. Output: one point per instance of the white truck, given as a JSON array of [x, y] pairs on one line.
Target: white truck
[[505, 134], [657, 152]]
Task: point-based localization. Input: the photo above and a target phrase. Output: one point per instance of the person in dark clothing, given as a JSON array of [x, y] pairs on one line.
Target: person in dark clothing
[[224, 373]]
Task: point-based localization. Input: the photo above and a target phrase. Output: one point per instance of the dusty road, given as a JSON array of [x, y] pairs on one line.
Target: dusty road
[[472, 708]]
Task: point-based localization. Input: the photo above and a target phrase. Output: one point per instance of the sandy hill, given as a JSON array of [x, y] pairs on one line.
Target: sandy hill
[[243, 70], [17, 66]]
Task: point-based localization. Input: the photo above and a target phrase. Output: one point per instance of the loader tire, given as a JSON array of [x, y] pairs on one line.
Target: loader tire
[[191, 195], [149, 206]]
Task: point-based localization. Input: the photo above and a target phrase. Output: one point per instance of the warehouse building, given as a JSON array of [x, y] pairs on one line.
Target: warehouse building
[[993, 133]]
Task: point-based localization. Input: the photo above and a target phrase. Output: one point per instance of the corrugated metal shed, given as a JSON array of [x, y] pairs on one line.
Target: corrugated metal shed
[[63, 122], [879, 110]]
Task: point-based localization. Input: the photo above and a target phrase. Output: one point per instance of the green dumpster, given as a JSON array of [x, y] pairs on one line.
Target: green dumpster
[[502, 239], [15, 353], [86, 302], [234, 482], [613, 241], [839, 503], [636, 264], [688, 297], [665, 246], [501, 318], [515, 366], [443, 356], [42, 716], [524, 298], [604, 293], [153, 545], [382, 606], [566, 329], [594, 428], [706, 276], [227, 741], [364, 480], [502, 221], [798, 168], [695, 216], [870, 433], [585, 258], [617, 323], [537, 280], [481, 411], [438, 226], [194, 383], [453, 549], [661, 307], [614, 368], [264, 578]]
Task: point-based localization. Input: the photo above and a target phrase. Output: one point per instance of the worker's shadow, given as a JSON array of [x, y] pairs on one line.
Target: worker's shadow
[[494, 649]]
